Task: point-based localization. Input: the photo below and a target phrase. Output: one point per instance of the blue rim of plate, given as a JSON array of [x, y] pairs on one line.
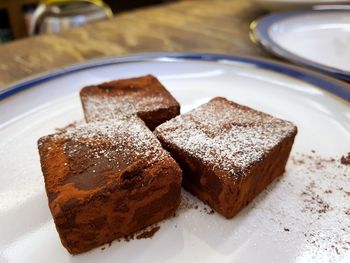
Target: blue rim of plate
[[334, 86], [260, 33]]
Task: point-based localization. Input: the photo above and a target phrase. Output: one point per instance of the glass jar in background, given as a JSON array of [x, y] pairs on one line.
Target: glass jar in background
[[53, 16]]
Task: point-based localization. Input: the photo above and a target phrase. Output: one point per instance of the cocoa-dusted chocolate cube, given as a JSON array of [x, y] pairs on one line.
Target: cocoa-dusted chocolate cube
[[228, 152], [143, 96], [106, 180]]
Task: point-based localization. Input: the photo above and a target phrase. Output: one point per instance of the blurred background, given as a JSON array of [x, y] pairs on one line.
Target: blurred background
[[16, 16], [310, 33]]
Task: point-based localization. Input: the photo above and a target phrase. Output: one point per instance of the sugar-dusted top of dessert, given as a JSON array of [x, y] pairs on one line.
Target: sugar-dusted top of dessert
[[125, 97], [124, 138], [225, 135], [85, 158]]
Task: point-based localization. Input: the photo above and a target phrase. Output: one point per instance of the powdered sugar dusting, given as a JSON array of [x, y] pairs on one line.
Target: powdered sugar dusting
[[124, 139], [108, 107], [220, 132]]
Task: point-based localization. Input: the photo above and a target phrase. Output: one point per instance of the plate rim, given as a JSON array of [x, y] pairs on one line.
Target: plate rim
[[337, 88], [62, 254], [312, 2], [259, 33]]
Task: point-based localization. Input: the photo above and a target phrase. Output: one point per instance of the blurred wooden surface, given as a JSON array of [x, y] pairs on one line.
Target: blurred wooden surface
[[215, 26], [15, 11]]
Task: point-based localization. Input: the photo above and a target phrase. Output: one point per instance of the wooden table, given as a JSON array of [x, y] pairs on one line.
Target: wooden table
[[214, 26]]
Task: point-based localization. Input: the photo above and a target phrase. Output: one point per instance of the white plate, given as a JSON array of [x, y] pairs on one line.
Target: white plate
[[318, 38], [284, 5], [256, 234]]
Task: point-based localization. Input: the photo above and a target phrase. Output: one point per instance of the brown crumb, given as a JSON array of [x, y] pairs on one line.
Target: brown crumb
[[187, 203], [103, 248], [314, 203], [345, 159], [129, 238], [316, 199], [324, 209], [148, 233], [71, 125], [208, 210], [337, 250], [286, 229]]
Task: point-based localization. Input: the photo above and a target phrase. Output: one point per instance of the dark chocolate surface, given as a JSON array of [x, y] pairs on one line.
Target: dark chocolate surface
[[105, 180], [228, 152]]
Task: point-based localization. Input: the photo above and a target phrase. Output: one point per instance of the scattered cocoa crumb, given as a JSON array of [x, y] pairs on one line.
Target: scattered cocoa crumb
[[325, 208], [345, 159], [298, 161], [71, 125], [314, 203], [187, 203], [317, 198], [109, 244], [336, 249], [313, 161], [286, 229], [148, 233], [129, 237], [208, 210]]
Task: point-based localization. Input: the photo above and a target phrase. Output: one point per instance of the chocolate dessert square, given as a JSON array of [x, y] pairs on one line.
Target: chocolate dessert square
[[228, 152], [144, 96], [106, 180]]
